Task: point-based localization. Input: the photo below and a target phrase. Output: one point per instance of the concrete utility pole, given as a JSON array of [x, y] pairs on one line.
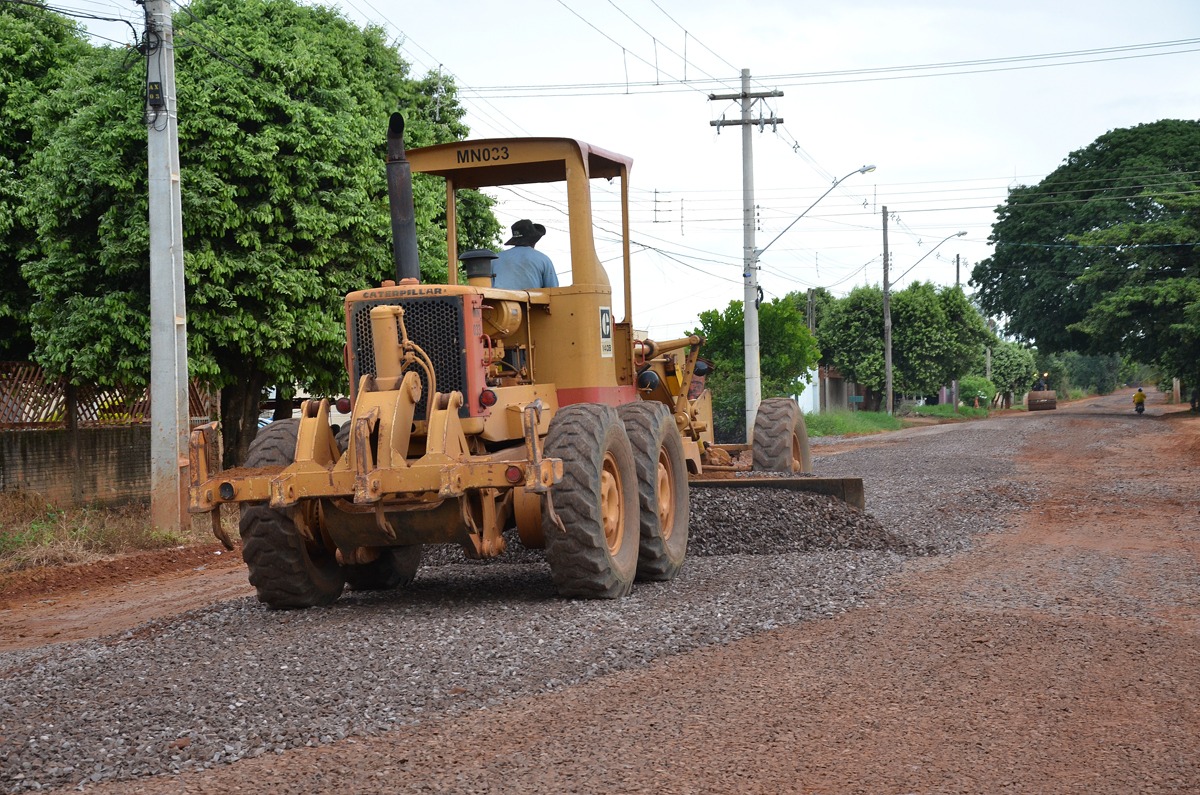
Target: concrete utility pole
[[954, 385], [887, 324], [750, 270], [168, 313]]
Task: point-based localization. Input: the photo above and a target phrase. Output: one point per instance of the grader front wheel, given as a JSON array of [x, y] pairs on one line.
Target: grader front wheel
[[781, 438], [287, 570], [662, 489], [596, 556]]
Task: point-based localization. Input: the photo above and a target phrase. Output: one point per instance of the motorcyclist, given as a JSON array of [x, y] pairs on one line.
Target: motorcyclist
[[1139, 397]]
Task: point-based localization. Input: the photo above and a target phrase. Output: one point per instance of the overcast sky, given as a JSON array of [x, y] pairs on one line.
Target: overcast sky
[[634, 76]]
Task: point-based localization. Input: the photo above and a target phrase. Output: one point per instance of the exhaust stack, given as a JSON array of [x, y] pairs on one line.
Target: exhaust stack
[[400, 201]]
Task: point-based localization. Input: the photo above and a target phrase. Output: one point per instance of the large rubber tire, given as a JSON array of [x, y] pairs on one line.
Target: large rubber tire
[[286, 570], [596, 556], [781, 438], [662, 489], [395, 567]]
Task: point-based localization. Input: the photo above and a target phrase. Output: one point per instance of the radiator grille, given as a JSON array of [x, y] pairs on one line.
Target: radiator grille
[[436, 324]]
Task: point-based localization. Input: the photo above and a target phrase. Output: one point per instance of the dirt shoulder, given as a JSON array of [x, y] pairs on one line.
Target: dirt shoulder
[[91, 600], [1062, 656]]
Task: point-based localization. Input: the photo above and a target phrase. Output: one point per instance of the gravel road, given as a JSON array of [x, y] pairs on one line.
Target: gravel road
[[234, 681]]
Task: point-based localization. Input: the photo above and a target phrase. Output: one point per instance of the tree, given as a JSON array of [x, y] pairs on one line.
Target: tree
[[850, 334], [1097, 373], [1147, 277], [1101, 255], [35, 44], [787, 351], [1013, 367], [937, 336], [283, 121]]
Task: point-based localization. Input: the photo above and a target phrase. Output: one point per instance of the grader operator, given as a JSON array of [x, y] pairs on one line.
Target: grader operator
[[476, 410]]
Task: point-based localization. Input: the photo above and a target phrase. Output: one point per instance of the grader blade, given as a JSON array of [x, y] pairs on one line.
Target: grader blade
[[849, 490]]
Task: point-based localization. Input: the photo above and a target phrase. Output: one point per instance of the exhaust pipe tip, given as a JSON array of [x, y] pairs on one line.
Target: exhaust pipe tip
[[395, 135]]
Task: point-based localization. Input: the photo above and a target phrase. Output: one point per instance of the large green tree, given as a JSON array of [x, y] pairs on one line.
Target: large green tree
[[1147, 283], [787, 351], [937, 336], [1013, 367], [283, 117], [1101, 255], [35, 44], [850, 333]]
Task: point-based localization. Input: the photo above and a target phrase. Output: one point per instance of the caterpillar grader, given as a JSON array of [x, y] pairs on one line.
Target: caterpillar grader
[[476, 410]]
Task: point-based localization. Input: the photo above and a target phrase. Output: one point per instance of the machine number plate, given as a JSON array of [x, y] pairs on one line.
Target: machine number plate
[[606, 332]]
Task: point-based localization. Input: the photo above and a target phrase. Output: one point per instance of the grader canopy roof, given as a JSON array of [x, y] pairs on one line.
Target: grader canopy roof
[[506, 161]]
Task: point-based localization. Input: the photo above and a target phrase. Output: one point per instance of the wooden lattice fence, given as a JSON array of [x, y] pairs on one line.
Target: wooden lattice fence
[[29, 400]]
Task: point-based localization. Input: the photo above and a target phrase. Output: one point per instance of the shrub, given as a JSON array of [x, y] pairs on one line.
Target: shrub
[[976, 386]]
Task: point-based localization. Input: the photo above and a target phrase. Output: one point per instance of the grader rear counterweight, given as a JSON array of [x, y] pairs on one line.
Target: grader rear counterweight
[[477, 410]]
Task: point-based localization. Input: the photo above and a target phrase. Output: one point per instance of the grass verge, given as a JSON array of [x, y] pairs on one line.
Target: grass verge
[[851, 423], [947, 412], [34, 533]]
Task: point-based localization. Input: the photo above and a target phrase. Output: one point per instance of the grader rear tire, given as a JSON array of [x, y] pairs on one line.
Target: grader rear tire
[[596, 500], [780, 438], [286, 569], [395, 567], [662, 489]]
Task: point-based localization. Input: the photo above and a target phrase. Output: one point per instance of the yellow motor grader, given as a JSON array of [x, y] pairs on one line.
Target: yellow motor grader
[[475, 410]]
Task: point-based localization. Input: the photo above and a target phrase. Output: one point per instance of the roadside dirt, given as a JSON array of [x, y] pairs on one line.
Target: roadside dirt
[[91, 600], [1062, 656]]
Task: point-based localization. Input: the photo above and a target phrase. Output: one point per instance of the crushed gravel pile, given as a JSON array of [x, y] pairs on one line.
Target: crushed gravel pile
[[763, 521], [237, 680], [740, 521]]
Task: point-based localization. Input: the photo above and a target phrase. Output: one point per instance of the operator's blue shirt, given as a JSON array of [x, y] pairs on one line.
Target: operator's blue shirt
[[524, 268]]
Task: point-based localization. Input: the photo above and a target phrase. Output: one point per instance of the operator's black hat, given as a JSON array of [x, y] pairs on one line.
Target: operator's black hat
[[526, 233]]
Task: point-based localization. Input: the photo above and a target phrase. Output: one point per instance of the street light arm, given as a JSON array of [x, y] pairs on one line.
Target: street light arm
[[863, 170], [926, 254]]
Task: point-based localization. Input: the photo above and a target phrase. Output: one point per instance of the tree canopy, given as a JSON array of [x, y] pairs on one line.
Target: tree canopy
[[1102, 255], [937, 336], [787, 351], [34, 45], [1147, 283], [1013, 366], [283, 117]]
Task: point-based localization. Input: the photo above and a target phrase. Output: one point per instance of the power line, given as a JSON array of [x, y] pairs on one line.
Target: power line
[[946, 69], [624, 49], [74, 14], [685, 31]]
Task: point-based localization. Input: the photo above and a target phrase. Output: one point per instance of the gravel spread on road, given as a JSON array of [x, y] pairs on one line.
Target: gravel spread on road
[[236, 680]]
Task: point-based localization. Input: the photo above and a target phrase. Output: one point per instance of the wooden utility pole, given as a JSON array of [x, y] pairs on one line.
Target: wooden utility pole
[[749, 253], [168, 313]]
